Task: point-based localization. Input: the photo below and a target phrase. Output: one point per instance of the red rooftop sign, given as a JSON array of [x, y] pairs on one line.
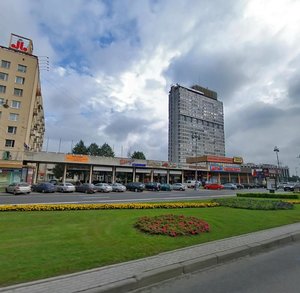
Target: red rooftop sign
[[21, 44]]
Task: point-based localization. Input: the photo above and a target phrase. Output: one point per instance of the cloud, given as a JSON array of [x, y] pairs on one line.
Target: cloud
[[112, 64]]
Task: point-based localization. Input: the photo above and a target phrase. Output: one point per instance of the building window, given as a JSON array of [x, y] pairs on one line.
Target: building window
[[18, 92], [15, 104], [10, 143], [22, 68], [2, 89], [5, 64], [20, 80], [12, 129], [13, 117], [3, 76]]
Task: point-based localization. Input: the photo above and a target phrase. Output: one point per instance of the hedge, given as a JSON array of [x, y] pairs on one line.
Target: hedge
[[269, 195]]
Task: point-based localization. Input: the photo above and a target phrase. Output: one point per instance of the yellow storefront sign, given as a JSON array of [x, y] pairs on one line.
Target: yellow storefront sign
[[77, 158]]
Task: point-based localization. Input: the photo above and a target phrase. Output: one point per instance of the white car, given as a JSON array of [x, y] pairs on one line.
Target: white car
[[103, 187], [65, 187], [17, 188]]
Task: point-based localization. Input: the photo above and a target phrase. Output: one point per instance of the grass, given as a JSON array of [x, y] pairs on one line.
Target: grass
[[37, 245]]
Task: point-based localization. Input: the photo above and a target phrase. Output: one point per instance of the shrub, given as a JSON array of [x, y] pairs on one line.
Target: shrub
[[172, 225], [269, 195], [254, 204]]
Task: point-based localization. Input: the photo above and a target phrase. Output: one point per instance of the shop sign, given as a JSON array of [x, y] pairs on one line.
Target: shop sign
[[77, 158], [168, 165], [126, 161], [20, 43], [154, 164], [238, 160], [138, 165], [225, 168]]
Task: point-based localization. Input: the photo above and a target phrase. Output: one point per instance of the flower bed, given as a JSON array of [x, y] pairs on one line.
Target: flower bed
[[172, 225], [254, 204], [70, 207]]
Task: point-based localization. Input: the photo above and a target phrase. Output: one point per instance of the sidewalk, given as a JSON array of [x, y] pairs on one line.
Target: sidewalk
[[136, 274]]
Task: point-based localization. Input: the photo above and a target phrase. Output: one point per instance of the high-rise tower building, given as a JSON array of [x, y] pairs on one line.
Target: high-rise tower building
[[196, 123], [22, 123]]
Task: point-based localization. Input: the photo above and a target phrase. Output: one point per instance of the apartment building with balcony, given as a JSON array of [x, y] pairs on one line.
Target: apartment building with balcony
[[22, 123], [196, 123]]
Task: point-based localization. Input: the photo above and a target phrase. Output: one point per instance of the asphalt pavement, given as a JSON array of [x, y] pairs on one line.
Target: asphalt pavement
[[133, 275]]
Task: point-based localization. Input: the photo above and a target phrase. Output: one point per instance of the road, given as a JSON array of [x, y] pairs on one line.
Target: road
[[276, 271], [113, 197]]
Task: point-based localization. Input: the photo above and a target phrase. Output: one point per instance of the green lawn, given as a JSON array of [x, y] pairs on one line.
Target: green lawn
[[37, 245]]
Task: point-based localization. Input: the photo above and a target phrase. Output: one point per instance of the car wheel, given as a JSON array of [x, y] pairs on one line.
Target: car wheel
[[86, 191], [135, 190], [15, 192], [43, 190]]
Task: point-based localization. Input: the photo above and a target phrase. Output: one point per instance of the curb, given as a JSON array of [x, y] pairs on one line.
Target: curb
[[153, 277]]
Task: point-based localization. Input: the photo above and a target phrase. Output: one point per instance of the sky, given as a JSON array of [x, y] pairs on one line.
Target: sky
[[112, 63]]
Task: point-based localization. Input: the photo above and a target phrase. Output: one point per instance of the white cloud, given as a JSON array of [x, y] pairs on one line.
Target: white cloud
[[112, 64]]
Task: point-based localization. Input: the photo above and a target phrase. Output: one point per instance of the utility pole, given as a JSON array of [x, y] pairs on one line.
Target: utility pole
[[276, 150]]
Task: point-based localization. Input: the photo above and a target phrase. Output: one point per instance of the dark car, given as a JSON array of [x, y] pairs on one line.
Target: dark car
[[166, 187], [155, 186], [135, 186], [44, 187], [239, 186], [86, 188]]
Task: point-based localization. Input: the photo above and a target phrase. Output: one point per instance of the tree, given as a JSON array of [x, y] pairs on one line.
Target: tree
[[106, 151], [138, 155], [93, 150], [80, 148], [58, 170]]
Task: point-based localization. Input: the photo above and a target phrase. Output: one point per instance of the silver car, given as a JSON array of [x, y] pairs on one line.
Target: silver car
[[65, 187], [118, 187], [17, 188], [103, 187], [179, 186]]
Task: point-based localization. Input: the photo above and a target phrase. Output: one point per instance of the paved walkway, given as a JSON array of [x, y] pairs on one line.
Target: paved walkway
[[131, 275]]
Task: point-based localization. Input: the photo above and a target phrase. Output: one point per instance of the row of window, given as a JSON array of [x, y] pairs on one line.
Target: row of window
[[6, 64], [17, 92], [12, 116], [18, 79], [13, 104]]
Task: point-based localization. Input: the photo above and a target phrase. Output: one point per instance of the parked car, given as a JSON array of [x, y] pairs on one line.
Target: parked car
[[214, 186], [118, 187], [190, 183], [86, 188], [249, 185], [135, 186], [18, 187], [166, 187], [65, 187], [178, 186], [103, 187], [297, 187], [289, 186], [155, 186], [229, 186], [240, 186], [44, 187]]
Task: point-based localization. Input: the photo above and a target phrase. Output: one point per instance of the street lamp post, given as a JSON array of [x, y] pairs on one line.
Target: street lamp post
[[196, 137], [276, 150]]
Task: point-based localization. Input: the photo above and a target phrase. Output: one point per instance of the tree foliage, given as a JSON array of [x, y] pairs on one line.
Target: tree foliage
[[106, 151], [58, 170], [93, 149], [138, 155], [80, 148]]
